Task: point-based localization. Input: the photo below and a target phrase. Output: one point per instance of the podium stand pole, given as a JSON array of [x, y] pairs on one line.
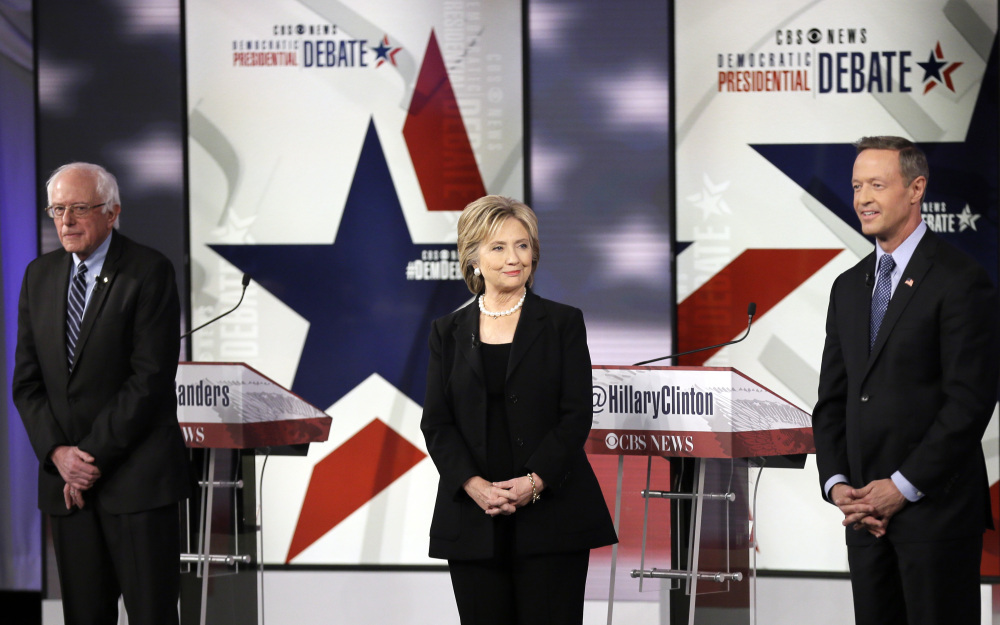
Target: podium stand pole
[[614, 548], [208, 499], [221, 588], [694, 549]]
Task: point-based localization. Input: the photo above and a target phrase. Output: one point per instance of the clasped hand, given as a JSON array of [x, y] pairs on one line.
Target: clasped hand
[[502, 497], [78, 470], [869, 508]]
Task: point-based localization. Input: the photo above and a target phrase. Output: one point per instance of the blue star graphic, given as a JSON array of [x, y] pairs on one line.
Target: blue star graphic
[[382, 51], [365, 315], [932, 68], [961, 173]]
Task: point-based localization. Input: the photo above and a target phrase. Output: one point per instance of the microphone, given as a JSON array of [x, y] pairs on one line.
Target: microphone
[[869, 279], [246, 283], [751, 311]]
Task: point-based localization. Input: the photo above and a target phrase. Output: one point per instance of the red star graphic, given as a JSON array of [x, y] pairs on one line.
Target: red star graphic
[[385, 51], [945, 74]]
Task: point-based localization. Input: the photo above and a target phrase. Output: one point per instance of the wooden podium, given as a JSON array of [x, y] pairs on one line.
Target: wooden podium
[[711, 423], [232, 412]]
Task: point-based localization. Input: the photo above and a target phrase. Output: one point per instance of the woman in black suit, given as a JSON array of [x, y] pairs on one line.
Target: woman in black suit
[[506, 415]]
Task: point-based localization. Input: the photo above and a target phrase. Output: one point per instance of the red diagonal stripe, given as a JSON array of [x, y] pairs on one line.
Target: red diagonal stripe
[[349, 478], [437, 140], [716, 312]]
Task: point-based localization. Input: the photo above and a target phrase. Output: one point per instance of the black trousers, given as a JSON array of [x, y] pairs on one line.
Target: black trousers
[[102, 556], [921, 583], [512, 589]]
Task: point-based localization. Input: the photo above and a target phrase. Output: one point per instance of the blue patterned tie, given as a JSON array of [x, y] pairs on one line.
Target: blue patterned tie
[[880, 300], [74, 310]]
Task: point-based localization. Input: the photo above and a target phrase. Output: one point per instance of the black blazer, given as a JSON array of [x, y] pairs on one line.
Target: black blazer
[[118, 404], [549, 412], [921, 401]]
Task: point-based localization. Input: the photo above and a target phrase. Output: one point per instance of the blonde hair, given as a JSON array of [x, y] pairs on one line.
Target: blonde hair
[[480, 220]]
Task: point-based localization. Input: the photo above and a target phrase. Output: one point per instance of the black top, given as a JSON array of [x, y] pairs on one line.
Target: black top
[[548, 405], [499, 455]]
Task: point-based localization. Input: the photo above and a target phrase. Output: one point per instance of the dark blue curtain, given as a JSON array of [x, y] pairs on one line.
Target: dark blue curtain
[[20, 522]]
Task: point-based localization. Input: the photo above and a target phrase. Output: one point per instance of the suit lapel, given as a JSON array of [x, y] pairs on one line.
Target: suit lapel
[[100, 294], [909, 282], [529, 326], [466, 335], [60, 290], [858, 313]]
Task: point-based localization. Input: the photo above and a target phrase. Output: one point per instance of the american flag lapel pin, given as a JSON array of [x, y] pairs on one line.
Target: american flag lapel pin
[[909, 282]]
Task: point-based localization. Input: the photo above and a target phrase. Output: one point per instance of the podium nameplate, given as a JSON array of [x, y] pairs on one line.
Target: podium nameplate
[[232, 406], [695, 412]]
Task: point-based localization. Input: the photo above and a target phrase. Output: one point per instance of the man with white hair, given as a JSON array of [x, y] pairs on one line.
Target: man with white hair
[[97, 349]]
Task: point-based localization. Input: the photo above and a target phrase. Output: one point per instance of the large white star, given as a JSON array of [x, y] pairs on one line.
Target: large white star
[[967, 219], [710, 199]]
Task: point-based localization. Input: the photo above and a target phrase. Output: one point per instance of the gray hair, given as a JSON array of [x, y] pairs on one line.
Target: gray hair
[[105, 183]]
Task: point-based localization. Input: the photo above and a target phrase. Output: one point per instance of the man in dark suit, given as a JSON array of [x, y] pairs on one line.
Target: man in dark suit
[[97, 348], [907, 386]]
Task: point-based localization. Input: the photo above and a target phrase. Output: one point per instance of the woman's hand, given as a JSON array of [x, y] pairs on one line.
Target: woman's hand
[[491, 499], [518, 491]]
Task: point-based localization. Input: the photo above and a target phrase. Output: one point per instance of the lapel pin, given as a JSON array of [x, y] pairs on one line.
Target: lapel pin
[[909, 281]]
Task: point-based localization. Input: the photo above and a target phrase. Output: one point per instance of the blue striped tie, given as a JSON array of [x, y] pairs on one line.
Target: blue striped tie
[[883, 291], [74, 311]]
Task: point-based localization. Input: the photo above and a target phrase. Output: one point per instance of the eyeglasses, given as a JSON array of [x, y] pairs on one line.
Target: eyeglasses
[[78, 210]]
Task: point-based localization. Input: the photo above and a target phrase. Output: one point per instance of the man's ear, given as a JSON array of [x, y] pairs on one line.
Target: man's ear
[[917, 188]]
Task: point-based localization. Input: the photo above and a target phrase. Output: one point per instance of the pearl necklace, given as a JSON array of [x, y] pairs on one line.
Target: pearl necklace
[[497, 315]]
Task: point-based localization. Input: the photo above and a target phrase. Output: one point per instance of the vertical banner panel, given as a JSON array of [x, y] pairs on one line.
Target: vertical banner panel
[[332, 146], [766, 114]]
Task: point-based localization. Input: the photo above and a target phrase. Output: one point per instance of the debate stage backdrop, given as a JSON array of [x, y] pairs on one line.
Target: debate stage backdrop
[[767, 104], [331, 146]]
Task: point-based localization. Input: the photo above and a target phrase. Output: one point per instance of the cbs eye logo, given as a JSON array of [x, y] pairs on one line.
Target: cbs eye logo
[[814, 35], [611, 440]]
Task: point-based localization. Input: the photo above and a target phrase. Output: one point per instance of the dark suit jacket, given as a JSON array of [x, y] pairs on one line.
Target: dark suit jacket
[[921, 401], [118, 404], [549, 412]]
